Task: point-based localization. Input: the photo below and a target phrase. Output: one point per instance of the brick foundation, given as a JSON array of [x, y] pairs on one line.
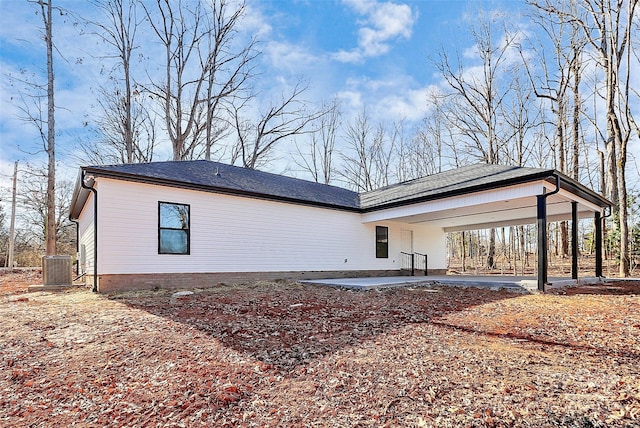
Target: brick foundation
[[127, 282]]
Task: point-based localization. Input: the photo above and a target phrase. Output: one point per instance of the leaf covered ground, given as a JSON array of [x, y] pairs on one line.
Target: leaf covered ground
[[283, 354]]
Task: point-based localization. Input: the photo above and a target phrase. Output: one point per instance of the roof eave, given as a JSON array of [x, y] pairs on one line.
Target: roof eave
[[79, 198], [542, 175], [582, 191], [213, 189], [81, 194]]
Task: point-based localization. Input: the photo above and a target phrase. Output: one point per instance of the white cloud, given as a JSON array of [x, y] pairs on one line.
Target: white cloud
[[254, 22], [388, 99], [352, 56], [409, 105], [290, 57], [382, 23], [352, 100]]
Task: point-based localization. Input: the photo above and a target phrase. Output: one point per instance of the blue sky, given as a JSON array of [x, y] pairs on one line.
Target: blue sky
[[370, 54], [374, 55]]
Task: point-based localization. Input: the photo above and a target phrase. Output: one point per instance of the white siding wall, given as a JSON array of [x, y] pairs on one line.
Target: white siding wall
[[237, 234], [85, 234], [432, 241]]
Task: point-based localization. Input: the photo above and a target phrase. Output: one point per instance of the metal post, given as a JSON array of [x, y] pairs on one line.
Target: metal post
[[598, 239], [413, 264], [574, 240], [426, 271], [542, 241]]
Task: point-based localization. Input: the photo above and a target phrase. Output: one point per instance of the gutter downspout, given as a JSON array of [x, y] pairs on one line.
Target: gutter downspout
[[95, 231], [542, 234]]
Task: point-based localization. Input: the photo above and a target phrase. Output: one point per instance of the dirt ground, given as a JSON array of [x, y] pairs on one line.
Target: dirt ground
[[280, 354]]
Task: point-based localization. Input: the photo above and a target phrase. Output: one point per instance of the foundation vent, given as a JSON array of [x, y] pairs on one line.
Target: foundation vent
[[56, 270]]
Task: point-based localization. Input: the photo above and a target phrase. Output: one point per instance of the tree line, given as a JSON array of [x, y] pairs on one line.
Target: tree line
[[556, 93]]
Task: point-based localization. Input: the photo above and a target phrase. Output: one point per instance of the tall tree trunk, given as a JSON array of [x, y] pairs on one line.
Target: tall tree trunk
[[126, 66], [491, 260], [503, 245], [463, 254], [603, 192], [576, 117], [624, 221], [47, 8], [562, 167], [564, 239], [625, 261], [575, 70], [523, 253]]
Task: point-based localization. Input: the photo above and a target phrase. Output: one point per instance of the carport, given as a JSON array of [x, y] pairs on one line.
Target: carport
[[490, 196]]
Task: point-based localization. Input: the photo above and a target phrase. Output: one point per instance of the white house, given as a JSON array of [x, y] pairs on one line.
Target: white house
[[200, 223]]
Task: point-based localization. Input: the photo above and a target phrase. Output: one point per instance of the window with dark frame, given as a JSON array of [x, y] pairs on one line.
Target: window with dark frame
[[173, 228], [382, 242]]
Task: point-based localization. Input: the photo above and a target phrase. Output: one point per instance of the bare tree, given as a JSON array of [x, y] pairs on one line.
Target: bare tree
[[477, 95], [422, 154], [127, 127], [203, 67], [560, 74], [434, 134], [107, 146], [477, 98], [425, 152], [287, 118], [119, 32], [317, 156], [180, 30], [44, 122], [34, 197], [522, 117], [358, 165], [403, 167], [607, 26], [576, 73], [368, 156], [437, 142], [229, 69]]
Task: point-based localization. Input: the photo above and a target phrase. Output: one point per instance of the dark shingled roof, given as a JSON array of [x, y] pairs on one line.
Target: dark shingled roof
[[448, 183], [222, 178], [219, 177]]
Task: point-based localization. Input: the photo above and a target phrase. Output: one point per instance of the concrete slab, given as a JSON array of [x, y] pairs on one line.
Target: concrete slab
[[368, 283], [50, 287], [510, 283]]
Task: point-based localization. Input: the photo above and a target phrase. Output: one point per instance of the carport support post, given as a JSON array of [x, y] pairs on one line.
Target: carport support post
[[598, 233], [542, 241], [574, 240], [413, 264]]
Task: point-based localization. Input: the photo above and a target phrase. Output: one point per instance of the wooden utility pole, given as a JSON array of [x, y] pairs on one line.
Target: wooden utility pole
[[51, 135], [13, 217]]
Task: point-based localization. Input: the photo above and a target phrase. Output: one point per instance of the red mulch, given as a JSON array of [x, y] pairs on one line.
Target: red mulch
[[284, 354], [18, 280]]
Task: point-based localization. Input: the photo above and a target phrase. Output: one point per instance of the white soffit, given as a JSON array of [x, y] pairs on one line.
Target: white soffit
[[507, 206]]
